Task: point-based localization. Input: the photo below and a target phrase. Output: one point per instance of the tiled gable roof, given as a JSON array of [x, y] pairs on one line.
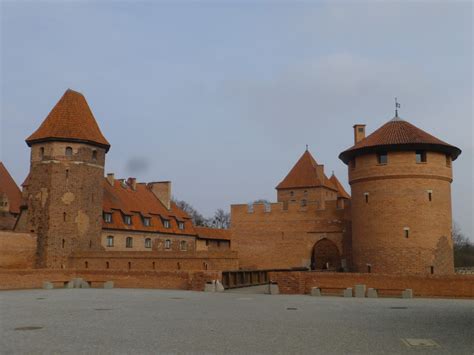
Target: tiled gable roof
[[10, 189], [305, 174], [341, 192], [398, 134], [121, 199], [71, 119], [213, 233]]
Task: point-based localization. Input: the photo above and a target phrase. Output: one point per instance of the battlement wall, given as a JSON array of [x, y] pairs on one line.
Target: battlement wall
[[17, 250]]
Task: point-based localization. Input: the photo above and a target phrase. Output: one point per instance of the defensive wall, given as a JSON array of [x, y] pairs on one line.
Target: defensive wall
[[449, 286], [17, 250], [282, 235]]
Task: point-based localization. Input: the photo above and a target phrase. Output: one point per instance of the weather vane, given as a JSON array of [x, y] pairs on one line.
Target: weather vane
[[397, 106]]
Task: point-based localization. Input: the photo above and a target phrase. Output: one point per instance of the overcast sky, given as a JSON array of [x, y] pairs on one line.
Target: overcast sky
[[222, 98]]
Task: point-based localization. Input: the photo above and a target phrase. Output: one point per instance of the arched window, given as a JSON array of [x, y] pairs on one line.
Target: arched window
[[129, 242], [94, 155], [147, 243], [167, 244], [183, 245], [68, 151]]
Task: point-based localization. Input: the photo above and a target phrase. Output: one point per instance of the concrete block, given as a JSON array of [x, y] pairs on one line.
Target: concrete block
[[408, 293], [315, 291], [359, 291], [219, 286], [347, 292], [372, 293], [77, 282], [210, 286], [84, 284], [70, 284], [108, 284], [274, 289], [48, 285]]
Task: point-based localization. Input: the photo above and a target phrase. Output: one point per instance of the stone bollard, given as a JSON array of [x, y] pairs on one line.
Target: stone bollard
[[372, 293], [219, 286], [347, 292], [273, 288], [360, 291], [108, 284], [408, 293], [315, 291], [48, 285], [210, 286]]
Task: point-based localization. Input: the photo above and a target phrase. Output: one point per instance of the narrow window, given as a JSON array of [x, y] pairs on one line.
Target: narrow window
[[110, 241], [154, 265], [86, 264], [178, 264], [204, 265], [64, 216], [432, 270], [181, 225], [63, 243], [42, 153], [420, 156], [430, 195], [147, 243], [218, 243], [406, 231], [67, 174], [129, 242], [94, 155], [167, 244], [127, 219], [366, 195], [382, 158], [166, 223], [448, 160], [129, 265], [68, 151], [90, 243], [107, 265], [369, 268], [183, 245], [146, 221], [108, 217]]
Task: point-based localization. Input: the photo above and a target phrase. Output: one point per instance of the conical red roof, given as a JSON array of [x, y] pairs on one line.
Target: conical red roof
[[305, 174], [341, 192], [70, 120], [398, 134], [9, 187]]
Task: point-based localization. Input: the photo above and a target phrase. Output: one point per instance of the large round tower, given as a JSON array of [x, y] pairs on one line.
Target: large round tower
[[65, 184], [400, 178]]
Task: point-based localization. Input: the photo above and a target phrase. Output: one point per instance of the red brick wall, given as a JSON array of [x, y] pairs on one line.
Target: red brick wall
[[423, 286], [183, 280], [17, 250]]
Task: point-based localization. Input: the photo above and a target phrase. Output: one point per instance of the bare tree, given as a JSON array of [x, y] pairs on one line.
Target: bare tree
[[198, 219], [221, 219], [462, 247]]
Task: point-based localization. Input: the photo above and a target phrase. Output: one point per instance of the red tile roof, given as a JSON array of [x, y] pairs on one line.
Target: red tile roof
[[305, 174], [121, 199], [398, 134], [10, 189], [341, 192], [213, 233], [70, 120]]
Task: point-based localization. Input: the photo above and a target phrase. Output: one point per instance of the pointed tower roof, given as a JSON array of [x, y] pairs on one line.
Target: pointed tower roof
[[398, 134], [9, 187], [71, 120], [341, 192], [306, 173]]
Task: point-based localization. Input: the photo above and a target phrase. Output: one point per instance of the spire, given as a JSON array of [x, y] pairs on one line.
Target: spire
[[71, 119]]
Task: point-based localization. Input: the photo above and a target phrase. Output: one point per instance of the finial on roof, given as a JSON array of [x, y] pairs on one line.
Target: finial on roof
[[306, 147], [397, 106]]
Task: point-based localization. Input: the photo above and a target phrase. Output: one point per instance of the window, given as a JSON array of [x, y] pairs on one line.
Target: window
[[360, 129], [448, 160], [303, 203], [153, 265], [382, 158], [64, 216], [86, 264], [146, 221], [430, 195], [108, 217], [67, 174], [90, 243], [432, 270], [167, 244], [353, 163], [183, 245], [129, 242], [166, 223], [147, 243], [42, 153], [68, 151], [305, 192], [181, 225], [369, 268], [127, 219], [94, 155], [420, 156], [107, 265], [207, 242], [292, 193], [406, 231], [366, 195], [63, 243], [129, 265], [110, 241]]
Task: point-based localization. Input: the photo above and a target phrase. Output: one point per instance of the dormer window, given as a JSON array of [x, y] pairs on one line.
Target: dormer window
[[108, 217], [420, 156], [68, 151], [166, 223], [127, 219], [382, 158], [181, 225], [146, 221]]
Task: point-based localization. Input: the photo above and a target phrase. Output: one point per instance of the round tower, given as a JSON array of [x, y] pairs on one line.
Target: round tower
[[400, 178], [65, 184]]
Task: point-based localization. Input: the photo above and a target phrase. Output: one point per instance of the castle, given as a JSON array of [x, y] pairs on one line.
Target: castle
[[397, 219]]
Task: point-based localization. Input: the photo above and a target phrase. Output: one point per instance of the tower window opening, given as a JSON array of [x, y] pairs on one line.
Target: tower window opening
[[178, 264], [420, 156], [68, 151], [432, 270], [90, 243], [154, 265], [129, 265], [448, 160], [67, 174], [430, 195], [369, 268], [63, 243], [94, 155], [107, 265], [406, 231], [366, 196], [86, 264], [64, 216], [42, 153], [382, 158]]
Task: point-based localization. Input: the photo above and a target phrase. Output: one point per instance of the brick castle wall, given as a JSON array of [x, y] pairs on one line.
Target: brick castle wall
[[17, 250]]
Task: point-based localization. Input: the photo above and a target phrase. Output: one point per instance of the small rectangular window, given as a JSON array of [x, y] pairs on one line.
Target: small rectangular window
[[108, 217], [166, 223], [110, 241], [420, 156], [183, 245], [147, 243], [146, 221], [129, 242], [382, 158], [366, 196], [167, 244], [181, 225], [127, 219], [407, 232], [430, 195]]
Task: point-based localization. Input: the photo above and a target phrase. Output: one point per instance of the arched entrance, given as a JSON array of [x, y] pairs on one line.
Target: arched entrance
[[325, 256]]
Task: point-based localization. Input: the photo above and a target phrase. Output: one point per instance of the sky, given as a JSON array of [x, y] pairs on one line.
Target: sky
[[222, 97]]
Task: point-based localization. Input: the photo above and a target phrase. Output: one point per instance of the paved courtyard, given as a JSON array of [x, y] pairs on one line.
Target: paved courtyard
[[96, 321]]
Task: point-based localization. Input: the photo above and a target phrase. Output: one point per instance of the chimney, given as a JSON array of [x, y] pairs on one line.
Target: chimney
[[132, 182], [162, 190], [111, 178], [359, 132]]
